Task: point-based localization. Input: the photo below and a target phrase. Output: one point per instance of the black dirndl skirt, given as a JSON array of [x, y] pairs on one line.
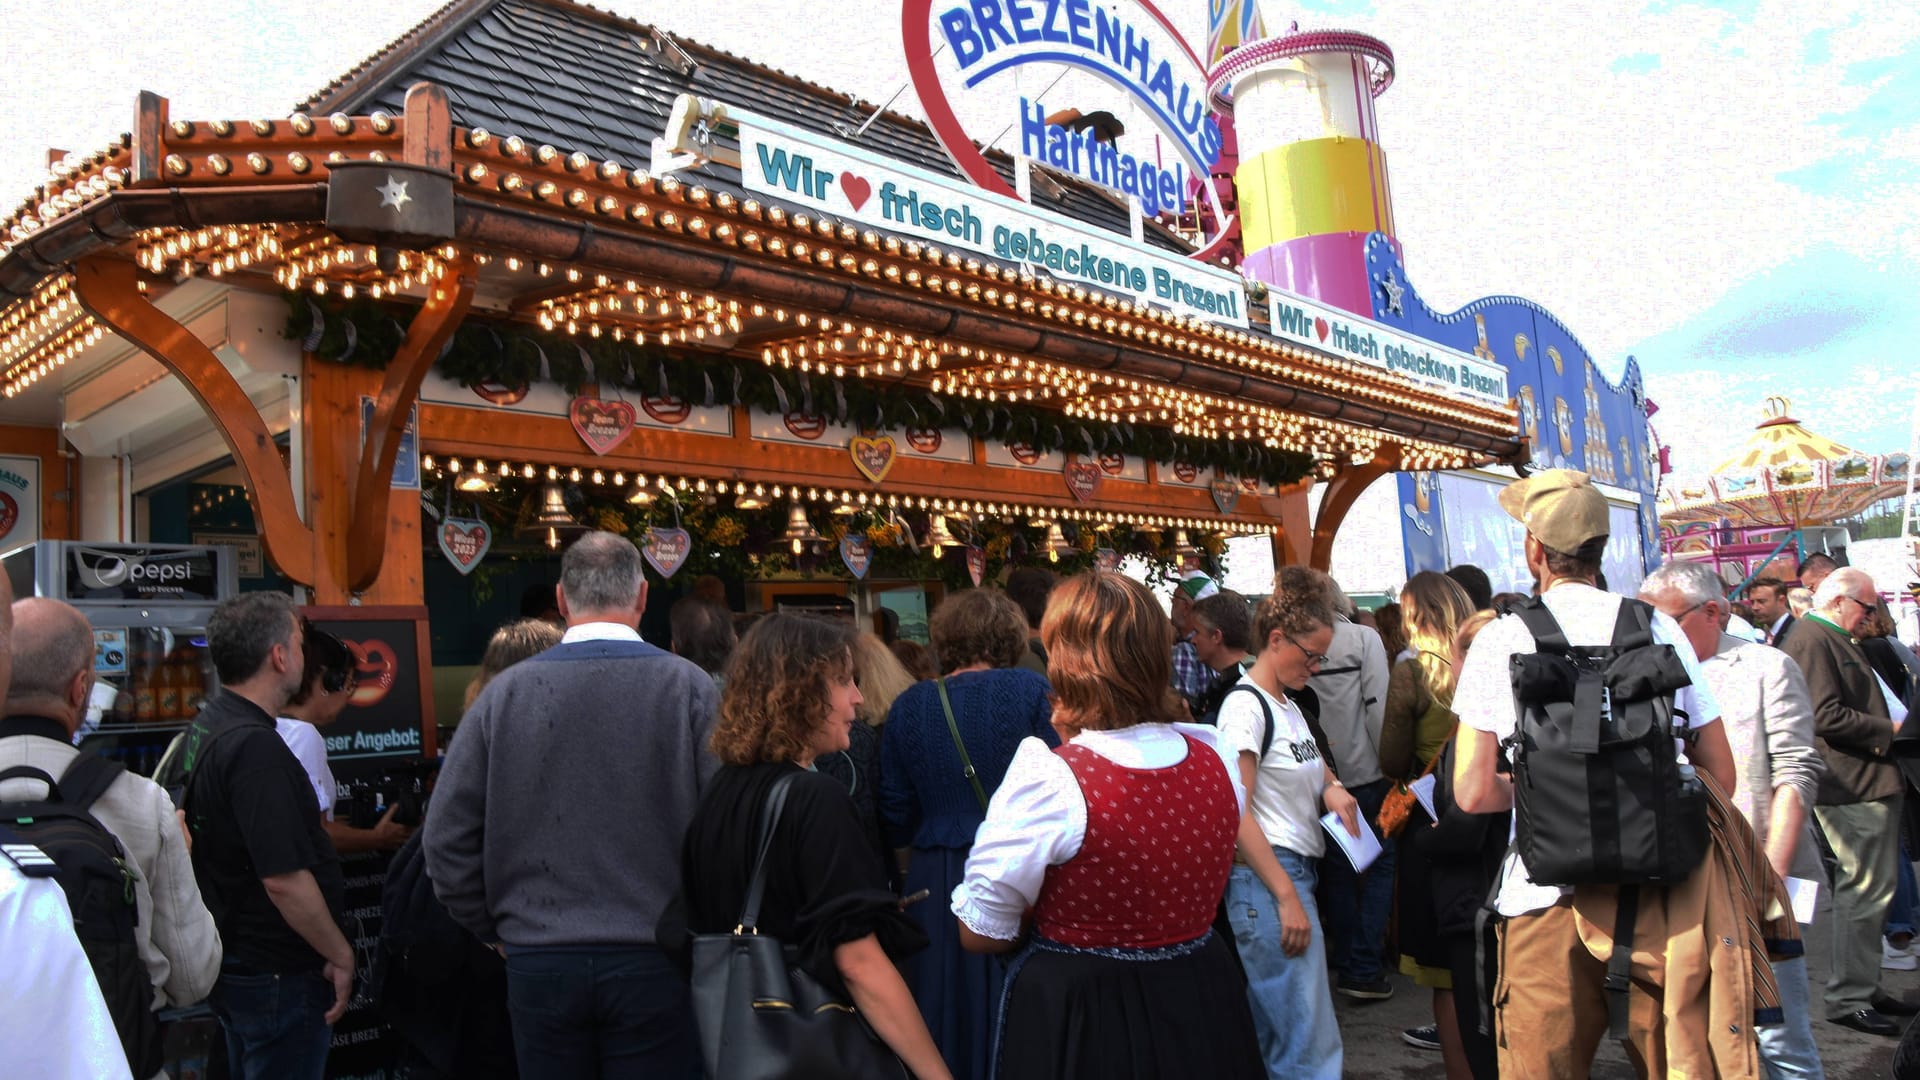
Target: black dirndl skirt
[[1127, 1014]]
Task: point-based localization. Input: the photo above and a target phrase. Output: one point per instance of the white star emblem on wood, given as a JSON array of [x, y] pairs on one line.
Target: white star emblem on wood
[[1394, 291], [394, 193]]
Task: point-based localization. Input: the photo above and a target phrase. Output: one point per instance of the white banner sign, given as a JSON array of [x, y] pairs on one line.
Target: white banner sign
[[1317, 326], [802, 168]]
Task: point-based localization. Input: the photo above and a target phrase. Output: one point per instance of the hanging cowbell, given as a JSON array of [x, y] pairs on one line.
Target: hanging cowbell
[[800, 532]]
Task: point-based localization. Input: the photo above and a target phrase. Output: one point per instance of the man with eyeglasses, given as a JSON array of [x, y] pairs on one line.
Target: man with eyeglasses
[[1768, 719], [1858, 804]]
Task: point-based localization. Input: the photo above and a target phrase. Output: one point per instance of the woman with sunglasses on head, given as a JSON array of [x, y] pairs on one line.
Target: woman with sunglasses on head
[[1269, 902], [325, 687]]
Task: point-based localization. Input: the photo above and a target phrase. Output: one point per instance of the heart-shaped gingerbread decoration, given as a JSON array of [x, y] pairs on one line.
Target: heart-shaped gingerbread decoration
[[1226, 494], [873, 455], [602, 425], [666, 550], [465, 541], [976, 564], [1083, 479], [857, 552]]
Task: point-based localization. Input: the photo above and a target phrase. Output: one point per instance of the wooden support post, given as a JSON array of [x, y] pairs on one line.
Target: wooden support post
[[1342, 491], [109, 290], [1288, 505], [446, 305]]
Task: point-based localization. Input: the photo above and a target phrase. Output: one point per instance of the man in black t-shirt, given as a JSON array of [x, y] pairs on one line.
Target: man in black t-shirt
[[264, 863]]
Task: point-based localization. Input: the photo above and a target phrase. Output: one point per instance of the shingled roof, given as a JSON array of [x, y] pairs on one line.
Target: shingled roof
[[551, 71]]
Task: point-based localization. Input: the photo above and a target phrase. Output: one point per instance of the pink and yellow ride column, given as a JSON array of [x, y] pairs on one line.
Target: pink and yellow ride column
[[1312, 178]]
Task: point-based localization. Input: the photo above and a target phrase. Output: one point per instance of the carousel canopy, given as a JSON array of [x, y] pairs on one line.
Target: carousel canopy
[[1785, 475]]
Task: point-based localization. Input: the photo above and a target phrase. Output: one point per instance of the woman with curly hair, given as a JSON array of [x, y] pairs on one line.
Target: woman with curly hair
[[790, 698], [1109, 856], [947, 743], [1270, 902]]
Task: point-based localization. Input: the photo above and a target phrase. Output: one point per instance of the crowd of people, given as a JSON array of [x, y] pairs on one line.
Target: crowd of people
[[1081, 834]]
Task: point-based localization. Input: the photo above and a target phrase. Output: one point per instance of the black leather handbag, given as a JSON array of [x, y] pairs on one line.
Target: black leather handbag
[[760, 1016]]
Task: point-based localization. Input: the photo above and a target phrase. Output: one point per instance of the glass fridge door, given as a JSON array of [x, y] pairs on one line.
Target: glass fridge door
[[148, 685]]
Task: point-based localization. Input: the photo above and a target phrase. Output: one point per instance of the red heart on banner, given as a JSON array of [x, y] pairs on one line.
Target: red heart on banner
[[856, 188], [465, 541], [1321, 328], [602, 425], [1083, 479]]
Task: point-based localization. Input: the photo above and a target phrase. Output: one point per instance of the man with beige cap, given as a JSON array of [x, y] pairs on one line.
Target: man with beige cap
[[1550, 1006]]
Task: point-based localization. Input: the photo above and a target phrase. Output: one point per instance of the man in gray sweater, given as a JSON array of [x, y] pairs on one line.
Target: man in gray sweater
[[554, 833]]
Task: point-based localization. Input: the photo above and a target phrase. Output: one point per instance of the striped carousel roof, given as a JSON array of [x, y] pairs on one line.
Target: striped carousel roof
[[1779, 441], [1785, 475]]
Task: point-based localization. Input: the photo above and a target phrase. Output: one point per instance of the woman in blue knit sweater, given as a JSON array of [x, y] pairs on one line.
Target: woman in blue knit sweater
[[932, 809]]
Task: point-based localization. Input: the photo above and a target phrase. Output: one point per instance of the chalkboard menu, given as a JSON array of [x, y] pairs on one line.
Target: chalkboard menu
[[381, 738]]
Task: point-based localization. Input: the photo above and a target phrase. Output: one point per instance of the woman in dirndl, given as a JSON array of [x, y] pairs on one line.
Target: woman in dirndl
[[1118, 844]]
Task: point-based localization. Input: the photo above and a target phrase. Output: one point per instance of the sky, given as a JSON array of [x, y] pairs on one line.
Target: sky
[[1728, 191]]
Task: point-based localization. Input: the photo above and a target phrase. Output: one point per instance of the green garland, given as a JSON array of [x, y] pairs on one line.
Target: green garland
[[366, 333]]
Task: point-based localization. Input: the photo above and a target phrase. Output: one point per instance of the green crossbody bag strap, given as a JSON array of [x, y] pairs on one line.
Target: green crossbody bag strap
[[953, 728]]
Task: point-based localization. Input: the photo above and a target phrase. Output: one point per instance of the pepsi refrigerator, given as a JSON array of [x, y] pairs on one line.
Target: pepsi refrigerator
[[148, 605]]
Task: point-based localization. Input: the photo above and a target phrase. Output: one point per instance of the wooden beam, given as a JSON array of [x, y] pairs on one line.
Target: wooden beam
[[1342, 492], [436, 321], [109, 290], [1293, 543]]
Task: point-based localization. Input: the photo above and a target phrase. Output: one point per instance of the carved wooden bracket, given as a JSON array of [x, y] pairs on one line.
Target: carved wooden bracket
[[109, 290], [1342, 492], [446, 305]]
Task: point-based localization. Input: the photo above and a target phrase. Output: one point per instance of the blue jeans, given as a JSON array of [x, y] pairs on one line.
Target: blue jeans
[[1357, 905], [1292, 1003], [275, 1025], [599, 1011], [1787, 1049], [1904, 912]]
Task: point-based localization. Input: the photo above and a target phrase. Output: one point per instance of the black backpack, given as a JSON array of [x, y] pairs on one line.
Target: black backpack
[[1599, 794], [58, 837]]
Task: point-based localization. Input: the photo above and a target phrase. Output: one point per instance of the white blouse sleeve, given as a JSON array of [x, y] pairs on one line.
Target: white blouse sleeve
[[1036, 819]]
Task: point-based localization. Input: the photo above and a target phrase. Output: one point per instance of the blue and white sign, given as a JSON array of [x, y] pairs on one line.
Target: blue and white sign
[[806, 169]]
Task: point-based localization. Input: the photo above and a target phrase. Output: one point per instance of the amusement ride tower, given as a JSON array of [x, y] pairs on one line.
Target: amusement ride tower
[[1312, 178]]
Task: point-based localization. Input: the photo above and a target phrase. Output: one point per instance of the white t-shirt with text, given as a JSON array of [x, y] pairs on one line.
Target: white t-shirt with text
[[1285, 798]]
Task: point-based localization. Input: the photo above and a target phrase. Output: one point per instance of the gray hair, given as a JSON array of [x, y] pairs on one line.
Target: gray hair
[[1846, 581], [57, 645], [601, 572], [1695, 581], [243, 630]]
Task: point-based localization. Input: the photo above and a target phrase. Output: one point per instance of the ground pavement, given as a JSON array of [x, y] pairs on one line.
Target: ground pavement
[[1373, 1046]]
